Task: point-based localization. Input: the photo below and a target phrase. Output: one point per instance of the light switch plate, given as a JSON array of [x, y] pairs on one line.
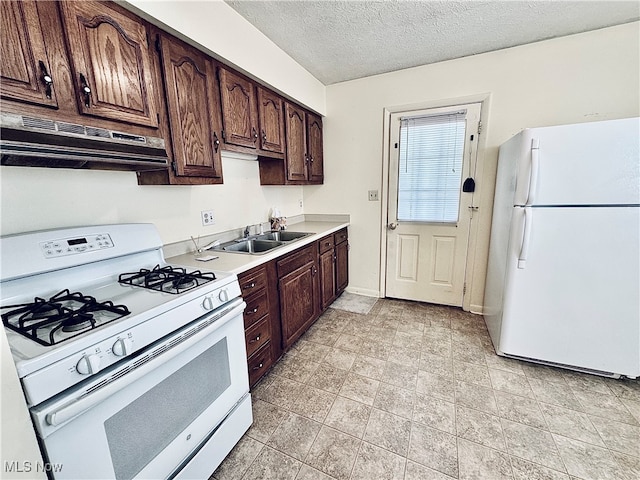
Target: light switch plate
[[373, 195]]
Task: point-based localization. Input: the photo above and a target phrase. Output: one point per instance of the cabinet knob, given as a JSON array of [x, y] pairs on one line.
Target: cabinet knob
[[264, 136], [259, 366], [46, 79], [86, 91], [255, 134], [252, 311], [257, 339], [250, 285], [216, 142]]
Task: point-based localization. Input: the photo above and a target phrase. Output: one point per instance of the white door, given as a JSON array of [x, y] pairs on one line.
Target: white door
[[432, 153]]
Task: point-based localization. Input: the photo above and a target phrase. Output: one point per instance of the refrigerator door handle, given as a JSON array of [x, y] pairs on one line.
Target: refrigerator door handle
[[526, 236], [535, 170]]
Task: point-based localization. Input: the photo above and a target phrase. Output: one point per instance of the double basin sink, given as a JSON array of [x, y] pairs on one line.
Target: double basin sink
[[260, 244]]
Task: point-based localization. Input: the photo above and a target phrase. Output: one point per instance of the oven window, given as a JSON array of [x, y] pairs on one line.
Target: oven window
[[141, 430]]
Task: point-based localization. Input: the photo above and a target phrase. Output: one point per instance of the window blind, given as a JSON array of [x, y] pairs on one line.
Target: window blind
[[430, 167]]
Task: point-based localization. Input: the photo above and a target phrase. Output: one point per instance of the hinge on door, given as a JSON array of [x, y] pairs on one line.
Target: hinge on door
[[479, 128], [464, 288], [157, 43]]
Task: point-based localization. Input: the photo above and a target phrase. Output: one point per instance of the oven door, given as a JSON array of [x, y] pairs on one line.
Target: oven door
[[146, 417]]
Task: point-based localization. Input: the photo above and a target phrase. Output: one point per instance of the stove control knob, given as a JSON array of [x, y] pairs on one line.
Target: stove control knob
[[122, 347], [88, 364], [223, 295]]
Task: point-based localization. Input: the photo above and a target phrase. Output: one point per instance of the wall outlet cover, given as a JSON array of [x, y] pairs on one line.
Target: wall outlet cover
[[207, 218], [373, 195]]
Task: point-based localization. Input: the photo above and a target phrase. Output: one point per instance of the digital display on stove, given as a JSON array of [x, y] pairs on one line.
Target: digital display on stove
[[77, 241]]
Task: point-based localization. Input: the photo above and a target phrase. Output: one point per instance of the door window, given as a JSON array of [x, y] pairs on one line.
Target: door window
[[430, 167]]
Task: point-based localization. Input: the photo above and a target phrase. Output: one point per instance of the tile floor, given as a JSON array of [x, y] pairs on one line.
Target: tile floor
[[415, 391]]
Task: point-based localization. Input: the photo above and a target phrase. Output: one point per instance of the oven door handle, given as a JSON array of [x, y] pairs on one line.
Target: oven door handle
[[84, 403]]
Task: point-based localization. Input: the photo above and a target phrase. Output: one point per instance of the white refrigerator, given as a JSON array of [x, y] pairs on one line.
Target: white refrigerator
[[563, 279]]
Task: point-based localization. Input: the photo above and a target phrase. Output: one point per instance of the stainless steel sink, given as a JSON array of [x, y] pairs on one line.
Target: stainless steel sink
[[260, 244], [254, 246], [284, 236]]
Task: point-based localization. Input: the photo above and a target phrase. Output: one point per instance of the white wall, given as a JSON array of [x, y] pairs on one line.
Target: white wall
[[40, 198], [580, 78]]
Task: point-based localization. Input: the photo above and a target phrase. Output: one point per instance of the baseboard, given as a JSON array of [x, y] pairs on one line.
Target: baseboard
[[364, 291], [477, 309]]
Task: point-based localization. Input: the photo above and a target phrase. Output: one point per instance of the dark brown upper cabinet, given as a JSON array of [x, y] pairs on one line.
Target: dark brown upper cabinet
[[194, 110], [271, 121], [109, 56], [296, 134], [239, 109], [26, 73], [315, 161], [303, 163]]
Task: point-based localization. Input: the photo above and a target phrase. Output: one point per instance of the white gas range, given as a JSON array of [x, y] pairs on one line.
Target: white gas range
[[113, 346]]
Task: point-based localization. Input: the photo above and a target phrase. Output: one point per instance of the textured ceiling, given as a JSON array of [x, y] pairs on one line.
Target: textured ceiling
[[338, 40]]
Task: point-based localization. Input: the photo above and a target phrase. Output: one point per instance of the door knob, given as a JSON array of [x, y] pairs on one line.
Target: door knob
[[392, 226]]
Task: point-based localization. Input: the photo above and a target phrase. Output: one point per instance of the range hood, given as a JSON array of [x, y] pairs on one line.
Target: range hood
[[37, 142]]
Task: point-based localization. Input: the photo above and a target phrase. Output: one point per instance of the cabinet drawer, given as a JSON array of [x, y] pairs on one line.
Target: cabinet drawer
[[297, 259], [258, 335], [259, 363], [257, 307], [252, 281], [326, 243], [340, 236]]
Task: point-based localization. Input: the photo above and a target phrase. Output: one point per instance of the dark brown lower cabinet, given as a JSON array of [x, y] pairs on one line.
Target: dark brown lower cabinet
[[342, 261], [261, 319], [286, 295], [334, 266], [298, 285]]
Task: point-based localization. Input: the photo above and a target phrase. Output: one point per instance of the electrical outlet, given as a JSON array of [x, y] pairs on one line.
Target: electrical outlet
[[373, 195], [207, 218], [300, 203]]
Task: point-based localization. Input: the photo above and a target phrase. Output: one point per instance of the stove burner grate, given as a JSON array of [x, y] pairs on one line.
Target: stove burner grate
[[167, 279], [62, 317]]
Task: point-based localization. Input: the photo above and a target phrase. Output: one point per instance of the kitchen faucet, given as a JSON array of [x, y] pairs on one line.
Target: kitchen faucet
[[247, 230]]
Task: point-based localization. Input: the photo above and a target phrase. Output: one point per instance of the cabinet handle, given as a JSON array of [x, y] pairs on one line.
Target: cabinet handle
[[310, 159], [257, 339], [252, 311], [250, 285], [46, 79], [86, 91], [216, 142], [255, 134], [259, 366], [264, 136]]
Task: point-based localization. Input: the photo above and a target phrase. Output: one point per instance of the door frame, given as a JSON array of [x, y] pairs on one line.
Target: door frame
[[484, 100]]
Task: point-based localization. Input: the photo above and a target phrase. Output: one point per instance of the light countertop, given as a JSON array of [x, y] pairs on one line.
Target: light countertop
[[241, 262]]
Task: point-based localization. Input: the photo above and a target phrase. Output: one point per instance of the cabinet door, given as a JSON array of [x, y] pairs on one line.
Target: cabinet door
[[270, 116], [191, 91], [314, 148], [298, 302], [327, 278], [25, 69], [109, 55], [239, 111], [342, 266], [296, 157]]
